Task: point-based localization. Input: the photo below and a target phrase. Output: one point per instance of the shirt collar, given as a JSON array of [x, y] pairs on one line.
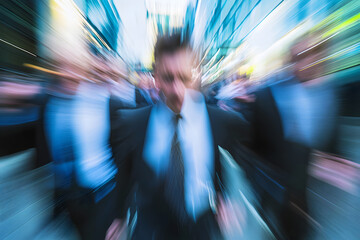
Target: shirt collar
[[193, 100]]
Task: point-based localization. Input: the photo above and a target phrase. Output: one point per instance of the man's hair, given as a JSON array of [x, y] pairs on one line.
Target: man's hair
[[169, 44]]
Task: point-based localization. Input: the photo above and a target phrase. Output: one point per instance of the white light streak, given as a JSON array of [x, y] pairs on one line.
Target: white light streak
[[18, 47]]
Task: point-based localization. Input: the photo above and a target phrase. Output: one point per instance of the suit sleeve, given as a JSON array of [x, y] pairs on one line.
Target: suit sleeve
[[123, 159], [239, 137]]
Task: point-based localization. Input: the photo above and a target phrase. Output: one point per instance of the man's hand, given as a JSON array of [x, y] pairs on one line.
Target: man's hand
[[246, 98], [224, 106], [231, 217], [117, 230]]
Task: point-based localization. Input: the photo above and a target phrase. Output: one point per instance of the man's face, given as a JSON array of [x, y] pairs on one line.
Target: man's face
[[173, 74], [305, 67]]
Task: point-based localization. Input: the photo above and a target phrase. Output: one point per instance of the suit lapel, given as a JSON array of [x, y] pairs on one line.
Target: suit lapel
[[216, 131]]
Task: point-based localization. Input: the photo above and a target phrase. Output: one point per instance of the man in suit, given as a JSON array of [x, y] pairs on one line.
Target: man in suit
[[22, 129], [171, 150], [76, 123], [284, 119]]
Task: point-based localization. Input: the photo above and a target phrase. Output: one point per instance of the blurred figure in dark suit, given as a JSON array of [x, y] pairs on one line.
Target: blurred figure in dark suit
[[21, 107], [285, 129], [172, 151], [77, 127], [145, 93]]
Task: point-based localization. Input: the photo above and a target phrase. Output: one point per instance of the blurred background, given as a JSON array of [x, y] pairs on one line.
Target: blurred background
[[243, 45]]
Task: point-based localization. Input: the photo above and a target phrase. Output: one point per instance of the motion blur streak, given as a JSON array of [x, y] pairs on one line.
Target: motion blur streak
[[290, 68]]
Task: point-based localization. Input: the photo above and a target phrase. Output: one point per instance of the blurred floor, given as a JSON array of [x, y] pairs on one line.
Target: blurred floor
[[334, 186], [252, 225], [26, 201], [335, 210], [26, 204]]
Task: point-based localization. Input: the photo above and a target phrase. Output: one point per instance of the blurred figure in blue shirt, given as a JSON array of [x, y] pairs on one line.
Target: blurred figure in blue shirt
[[77, 126], [289, 119]]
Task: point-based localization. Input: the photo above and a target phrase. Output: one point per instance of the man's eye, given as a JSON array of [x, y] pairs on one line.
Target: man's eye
[[168, 78], [184, 78]]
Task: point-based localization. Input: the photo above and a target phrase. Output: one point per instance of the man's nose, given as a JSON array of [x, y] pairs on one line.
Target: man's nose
[[177, 80], [178, 84]]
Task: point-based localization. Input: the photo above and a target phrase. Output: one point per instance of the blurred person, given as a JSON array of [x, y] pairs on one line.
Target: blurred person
[[21, 106], [213, 90], [77, 127], [145, 92], [126, 93], [15, 91], [231, 89], [172, 151], [142, 96], [122, 90], [210, 93], [284, 121], [235, 95], [18, 115]]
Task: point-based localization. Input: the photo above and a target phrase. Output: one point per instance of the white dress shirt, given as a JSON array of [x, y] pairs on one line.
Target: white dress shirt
[[295, 109], [196, 142], [124, 91], [85, 119]]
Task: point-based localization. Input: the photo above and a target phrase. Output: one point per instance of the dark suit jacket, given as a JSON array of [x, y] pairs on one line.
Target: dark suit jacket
[[19, 137], [286, 161], [140, 99], [129, 127]]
